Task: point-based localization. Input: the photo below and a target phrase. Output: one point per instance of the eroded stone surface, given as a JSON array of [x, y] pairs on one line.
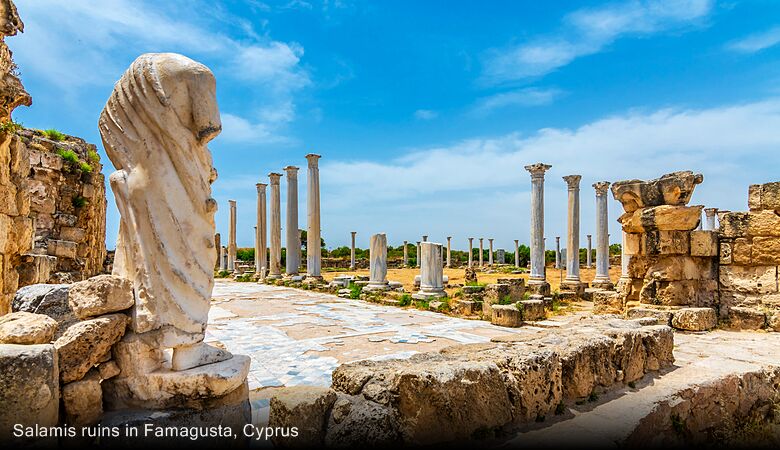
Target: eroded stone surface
[[100, 295], [87, 343], [307, 409], [694, 319], [83, 401], [26, 328], [670, 189]]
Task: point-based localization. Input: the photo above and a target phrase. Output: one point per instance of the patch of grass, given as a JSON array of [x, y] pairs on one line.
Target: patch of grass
[[475, 283], [355, 290], [405, 300], [10, 127], [93, 156], [85, 167], [69, 156], [560, 408], [593, 397], [422, 304], [54, 135], [79, 201], [505, 300], [244, 278], [222, 274]]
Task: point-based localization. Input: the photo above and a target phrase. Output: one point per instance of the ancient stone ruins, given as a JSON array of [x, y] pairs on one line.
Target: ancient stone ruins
[[680, 348]]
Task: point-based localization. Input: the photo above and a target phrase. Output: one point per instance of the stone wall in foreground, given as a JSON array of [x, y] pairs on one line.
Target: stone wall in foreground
[[750, 261]]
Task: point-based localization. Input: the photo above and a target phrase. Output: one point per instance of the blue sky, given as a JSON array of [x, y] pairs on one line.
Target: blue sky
[[426, 112]]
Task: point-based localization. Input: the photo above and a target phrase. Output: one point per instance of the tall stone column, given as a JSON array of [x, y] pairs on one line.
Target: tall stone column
[[431, 273], [218, 246], [313, 228], [275, 265], [471, 252], [481, 252], [406, 253], [352, 252], [262, 232], [588, 257], [490, 255], [449, 251], [710, 215], [418, 254], [222, 259], [517, 253], [232, 250], [378, 264], [601, 280], [572, 281], [537, 282], [293, 240], [557, 252]]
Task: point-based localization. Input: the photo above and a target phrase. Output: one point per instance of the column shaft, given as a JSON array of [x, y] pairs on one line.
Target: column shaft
[[275, 264], [293, 240], [261, 266], [537, 171], [573, 231], [232, 250], [314, 227], [602, 236]]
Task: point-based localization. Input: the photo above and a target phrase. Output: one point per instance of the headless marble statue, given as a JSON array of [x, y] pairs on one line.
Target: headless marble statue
[[155, 127]]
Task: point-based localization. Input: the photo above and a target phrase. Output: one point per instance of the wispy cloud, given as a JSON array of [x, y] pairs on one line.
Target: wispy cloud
[[518, 97], [756, 42], [588, 31], [425, 114]]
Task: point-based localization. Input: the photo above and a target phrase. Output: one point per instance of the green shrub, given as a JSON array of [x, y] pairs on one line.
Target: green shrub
[[68, 155], [85, 167], [222, 274], [10, 127], [93, 156], [405, 300], [244, 278], [355, 290], [245, 254], [79, 201], [505, 300], [54, 135]]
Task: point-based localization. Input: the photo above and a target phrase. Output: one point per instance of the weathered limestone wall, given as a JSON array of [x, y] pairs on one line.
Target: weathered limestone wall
[[749, 260]]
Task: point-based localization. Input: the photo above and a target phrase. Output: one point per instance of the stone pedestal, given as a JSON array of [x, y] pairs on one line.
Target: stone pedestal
[[431, 273], [275, 264], [293, 240], [537, 282], [261, 258], [378, 264], [601, 280], [314, 231]]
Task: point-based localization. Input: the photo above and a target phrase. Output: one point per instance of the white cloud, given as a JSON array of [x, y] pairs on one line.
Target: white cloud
[[479, 187], [236, 129], [588, 31], [425, 114], [518, 97], [757, 41]]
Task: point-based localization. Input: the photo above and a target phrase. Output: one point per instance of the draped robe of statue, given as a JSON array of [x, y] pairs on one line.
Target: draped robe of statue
[[155, 127]]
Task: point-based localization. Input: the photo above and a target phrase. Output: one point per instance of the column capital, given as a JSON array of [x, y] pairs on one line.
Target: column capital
[[449, 237], [557, 239], [353, 232], [406, 242], [490, 239], [588, 236], [517, 241], [260, 187], [418, 242], [274, 177], [573, 181], [291, 170], [601, 187], [232, 203], [710, 211], [481, 239], [537, 170], [313, 159]]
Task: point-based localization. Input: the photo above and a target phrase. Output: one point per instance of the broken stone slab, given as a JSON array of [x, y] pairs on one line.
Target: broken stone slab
[[746, 318], [532, 310], [26, 328], [86, 343], [48, 299], [608, 302], [468, 290], [670, 189], [189, 356], [749, 280], [662, 218], [305, 408], [83, 401], [704, 243], [464, 307], [108, 369], [694, 319], [29, 387], [764, 196], [100, 295], [355, 421], [506, 316], [662, 317]]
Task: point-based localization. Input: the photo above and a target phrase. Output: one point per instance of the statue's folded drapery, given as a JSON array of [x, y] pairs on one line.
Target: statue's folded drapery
[[155, 127]]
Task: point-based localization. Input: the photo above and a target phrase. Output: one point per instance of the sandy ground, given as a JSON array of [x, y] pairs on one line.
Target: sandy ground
[[406, 276]]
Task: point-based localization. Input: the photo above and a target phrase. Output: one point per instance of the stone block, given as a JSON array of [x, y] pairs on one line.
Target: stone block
[[665, 243], [765, 251], [704, 243], [29, 388], [662, 218], [43, 196], [516, 287], [506, 316], [61, 249], [676, 268], [763, 223], [670, 189], [662, 317], [108, 369], [26, 328], [87, 343], [464, 307], [754, 197], [743, 318], [494, 294], [469, 290], [532, 310], [749, 280], [733, 224], [680, 293], [764, 196], [48, 299], [741, 252], [34, 269], [51, 161], [773, 321], [100, 295], [83, 401], [305, 408], [726, 256], [694, 319], [73, 234], [633, 243], [608, 302]]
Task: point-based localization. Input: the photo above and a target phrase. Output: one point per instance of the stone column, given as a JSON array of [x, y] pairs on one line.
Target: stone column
[[378, 264], [449, 251], [231, 263], [588, 257], [261, 256], [418, 254], [517, 253], [471, 252], [293, 240], [222, 259], [406, 254], [601, 280], [557, 252], [490, 254], [623, 258], [352, 252], [431, 273], [313, 228], [218, 246], [275, 265], [481, 251], [537, 282], [710, 214], [572, 281]]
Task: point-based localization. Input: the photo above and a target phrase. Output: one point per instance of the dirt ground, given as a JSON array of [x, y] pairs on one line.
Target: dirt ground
[[406, 276]]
